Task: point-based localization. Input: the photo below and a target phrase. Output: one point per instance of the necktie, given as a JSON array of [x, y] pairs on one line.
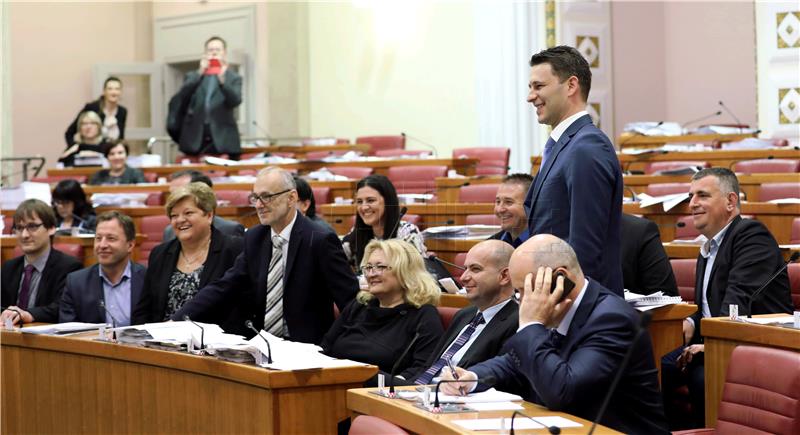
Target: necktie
[[548, 146], [462, 339], [25, 292], [556, 338], [273, 316]]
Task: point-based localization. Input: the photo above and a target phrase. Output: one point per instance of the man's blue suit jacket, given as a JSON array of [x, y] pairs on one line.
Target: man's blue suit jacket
[[572, 374], [577, 196], [83, 292]]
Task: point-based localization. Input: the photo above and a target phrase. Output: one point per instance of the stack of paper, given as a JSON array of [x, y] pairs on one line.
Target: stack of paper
[[669, 201], [61, 328], [461, 232], [651, 301], [119, 199]]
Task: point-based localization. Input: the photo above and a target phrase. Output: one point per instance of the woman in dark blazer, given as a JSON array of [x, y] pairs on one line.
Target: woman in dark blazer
[[107, 107], [198, 255]]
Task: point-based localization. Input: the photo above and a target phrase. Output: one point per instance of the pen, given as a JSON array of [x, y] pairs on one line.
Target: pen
[[455, 375]]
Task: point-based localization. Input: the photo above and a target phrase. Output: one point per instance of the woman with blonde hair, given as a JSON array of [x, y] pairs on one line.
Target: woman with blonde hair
[[88, 137], [398, 304]]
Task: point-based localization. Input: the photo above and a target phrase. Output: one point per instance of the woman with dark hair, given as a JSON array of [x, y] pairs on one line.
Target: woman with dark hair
[[378, 213], [306, 203], [118, 172], [71, 208], [112, 115]]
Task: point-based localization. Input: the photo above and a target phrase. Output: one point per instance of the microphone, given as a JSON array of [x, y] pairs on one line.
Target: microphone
[[728, 111], [249, 324], [399, 360], [658, 124], [555, 430], [633, 193], [760, 290], [202, 330], [113, 319], [403, 212], [488, 381], [437, 259], [262, 130], [644, 320], [702, 118], [429, 146]]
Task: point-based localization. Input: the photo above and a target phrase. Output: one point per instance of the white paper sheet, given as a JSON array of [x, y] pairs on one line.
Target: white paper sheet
[[496, 406]]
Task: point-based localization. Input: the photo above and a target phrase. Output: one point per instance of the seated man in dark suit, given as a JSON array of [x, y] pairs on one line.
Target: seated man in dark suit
[[289, 275], [509, 207], [645, 265], [106, 291], [739, 256], [182, 178], [567, 353], [32, 283]]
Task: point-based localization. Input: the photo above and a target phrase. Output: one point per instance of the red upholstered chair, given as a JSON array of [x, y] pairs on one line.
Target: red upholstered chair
[[412, 219], [659, 189], [685, 270], [794, 284], [150, 177], [761, 393], [672, 166], [491, 160], [8, 223], [319, 155], [399, 152], [234, 197], [447, 314], [156, 198], [795, 237], [770, 191], [71, 249], [482, 219], [369, 425], [483, 193], [415, 179], [352, 172], [687, 231], [322, 195], [378, 143], [766, 166], [52, 179], [153, 228]]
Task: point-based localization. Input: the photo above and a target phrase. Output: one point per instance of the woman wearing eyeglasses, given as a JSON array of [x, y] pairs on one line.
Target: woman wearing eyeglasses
[[198, 255], [398, 304], [378, 214]]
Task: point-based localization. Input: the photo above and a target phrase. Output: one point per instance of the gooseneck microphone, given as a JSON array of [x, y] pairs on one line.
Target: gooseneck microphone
[[202, 330], [702, 118], [437, 259], [728, 111], [488, 381], [262, 130], [555, 430], [114, 321], [644, 320], [249, 324], [393, 233], [658, 124], [399, 360], [760, 290], [427, 145]]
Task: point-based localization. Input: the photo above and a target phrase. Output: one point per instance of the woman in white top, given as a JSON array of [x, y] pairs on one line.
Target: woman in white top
[[378, 212]]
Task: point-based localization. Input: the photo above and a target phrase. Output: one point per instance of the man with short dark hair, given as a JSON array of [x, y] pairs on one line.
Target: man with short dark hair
[[509, 207], [32, 283], [106, 291], [577, 192]]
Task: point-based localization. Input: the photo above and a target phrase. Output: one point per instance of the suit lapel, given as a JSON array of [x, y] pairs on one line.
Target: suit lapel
[[137, 282], [713, 294], [96, 288], [456, 328], [582, 313], [16, 273], [170, 263], [491, 332], [47, 274], [296, 239]]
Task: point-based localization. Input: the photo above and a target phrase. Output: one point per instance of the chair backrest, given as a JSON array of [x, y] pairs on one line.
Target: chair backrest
[[482, 219], [150, 177], [483, 193], [413, 219], [369, 425], [685, 270], [761, 392], [794, 284], [685, 230], [378, 143], [153, 228], [491, 160], [399, 152], [415, 179], [352, 172], [766, 166], [322, 195], [659, 189], [8, 223], [446, 314], [795, 237], [155, 198], [233, 197], [52, 179], [71, 249], [770, 191], [674, 165]]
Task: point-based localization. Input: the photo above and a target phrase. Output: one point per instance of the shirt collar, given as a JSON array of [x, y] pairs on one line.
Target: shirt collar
[[506, 237], [125, 274], [563, 327], [40, 261], [710, 246], [489, 313], [564, 125], [287, 231]]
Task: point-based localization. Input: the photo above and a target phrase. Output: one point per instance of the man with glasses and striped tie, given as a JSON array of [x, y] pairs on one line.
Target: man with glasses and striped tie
[[288, 276]]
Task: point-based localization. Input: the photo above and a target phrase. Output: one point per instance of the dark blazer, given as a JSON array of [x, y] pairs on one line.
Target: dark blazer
[[221, 122], [645, 264], [577, 196], [317, 275], [84, 291], [130, 176], [94, 106], [224, 226], [51, 284], [747, 257], [574, 374], [162, 264]]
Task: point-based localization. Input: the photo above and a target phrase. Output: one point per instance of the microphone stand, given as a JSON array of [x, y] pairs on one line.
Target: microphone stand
[[249, 324], [761, 289], [202, 331], [555, 430]]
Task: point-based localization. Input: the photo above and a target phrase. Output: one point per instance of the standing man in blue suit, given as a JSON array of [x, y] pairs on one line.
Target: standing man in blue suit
[[577, 193], [566, 353]]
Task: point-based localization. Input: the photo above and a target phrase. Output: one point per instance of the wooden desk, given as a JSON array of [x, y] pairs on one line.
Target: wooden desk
[[721, 337], [633, 140], [749, 184], [9, 242], [74, 385], [301, 151], [380, 166], [403, 413]]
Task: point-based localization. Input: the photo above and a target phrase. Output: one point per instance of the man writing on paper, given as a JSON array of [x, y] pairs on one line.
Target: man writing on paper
[[568, 349]]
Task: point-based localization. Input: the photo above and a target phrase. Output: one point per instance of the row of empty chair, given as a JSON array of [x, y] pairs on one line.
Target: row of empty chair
[[766, 192], [759, 166]]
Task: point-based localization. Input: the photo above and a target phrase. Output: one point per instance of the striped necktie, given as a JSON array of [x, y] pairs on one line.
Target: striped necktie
[[462, 339], [273, 316]]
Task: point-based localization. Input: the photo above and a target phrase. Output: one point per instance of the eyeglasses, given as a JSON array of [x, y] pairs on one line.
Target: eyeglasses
[[377, 268], [265, 198], [30, 227], [58, 202]]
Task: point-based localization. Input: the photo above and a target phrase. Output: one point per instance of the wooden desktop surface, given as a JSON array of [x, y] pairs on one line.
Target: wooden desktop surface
[[76, 385], [404, 414], [721, 337], [301, 150], [634, 140]]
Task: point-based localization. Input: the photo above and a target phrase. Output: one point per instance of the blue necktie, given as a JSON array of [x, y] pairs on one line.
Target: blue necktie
[[462, 339], [548, 146]]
